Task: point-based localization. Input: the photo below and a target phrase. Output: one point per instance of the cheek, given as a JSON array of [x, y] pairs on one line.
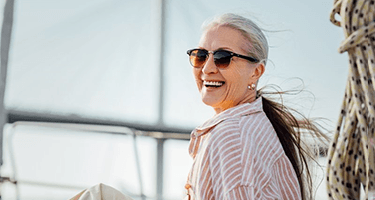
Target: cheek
[[237, 81], [235, 77], [197, 75]]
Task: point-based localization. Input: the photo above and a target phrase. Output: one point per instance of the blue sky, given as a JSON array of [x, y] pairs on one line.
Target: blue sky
[[100, 58]]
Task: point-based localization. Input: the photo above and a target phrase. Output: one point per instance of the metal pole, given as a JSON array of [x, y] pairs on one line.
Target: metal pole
[[5, 44], [161, 63], [6, 32], [138, 163], [160, 142], [160, 168]]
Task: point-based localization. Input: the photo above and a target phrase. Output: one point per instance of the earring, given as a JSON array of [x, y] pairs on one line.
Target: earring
[[251, 87]]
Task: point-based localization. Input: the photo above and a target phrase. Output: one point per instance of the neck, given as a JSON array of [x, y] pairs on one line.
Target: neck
[[230, 104]]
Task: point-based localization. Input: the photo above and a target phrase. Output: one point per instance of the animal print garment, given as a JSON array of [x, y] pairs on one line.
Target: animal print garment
[[351, 155]]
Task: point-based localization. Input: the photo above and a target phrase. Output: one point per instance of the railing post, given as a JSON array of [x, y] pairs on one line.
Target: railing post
[[160, 141], [6, 32], [160, 168]]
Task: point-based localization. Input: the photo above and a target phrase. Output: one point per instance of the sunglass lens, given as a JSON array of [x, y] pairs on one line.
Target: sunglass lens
[[198, 57], [222, 59]]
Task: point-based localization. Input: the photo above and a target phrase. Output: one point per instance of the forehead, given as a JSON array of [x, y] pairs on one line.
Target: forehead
[[222, 37]]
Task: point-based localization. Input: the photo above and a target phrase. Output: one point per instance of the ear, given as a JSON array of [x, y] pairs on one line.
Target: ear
[[258, 72]]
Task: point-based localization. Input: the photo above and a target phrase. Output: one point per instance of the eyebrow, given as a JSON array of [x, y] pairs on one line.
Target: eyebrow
[[224, 48], [221, 48]]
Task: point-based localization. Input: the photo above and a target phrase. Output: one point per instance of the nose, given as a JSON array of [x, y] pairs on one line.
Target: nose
[[209, 67]]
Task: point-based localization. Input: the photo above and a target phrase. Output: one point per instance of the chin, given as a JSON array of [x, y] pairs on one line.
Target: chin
[[210, 102]]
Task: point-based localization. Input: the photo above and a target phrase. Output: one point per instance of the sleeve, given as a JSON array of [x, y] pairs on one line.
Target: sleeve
[[284, 183]]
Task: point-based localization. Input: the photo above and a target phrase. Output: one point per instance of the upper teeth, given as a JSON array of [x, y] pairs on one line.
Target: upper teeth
[[213, 83]]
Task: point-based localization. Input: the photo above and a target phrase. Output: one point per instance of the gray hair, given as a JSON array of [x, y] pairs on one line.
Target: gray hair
[[256, 45]]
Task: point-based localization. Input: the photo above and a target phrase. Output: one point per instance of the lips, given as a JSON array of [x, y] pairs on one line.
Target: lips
[[213, 84]]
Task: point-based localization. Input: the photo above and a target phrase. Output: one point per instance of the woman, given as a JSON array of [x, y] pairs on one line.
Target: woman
[[251, 148]]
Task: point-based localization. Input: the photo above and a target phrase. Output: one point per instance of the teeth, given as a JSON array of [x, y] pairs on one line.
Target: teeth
[[212, 83]]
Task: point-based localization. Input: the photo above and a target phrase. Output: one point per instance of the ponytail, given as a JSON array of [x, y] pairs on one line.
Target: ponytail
[[289, 131]]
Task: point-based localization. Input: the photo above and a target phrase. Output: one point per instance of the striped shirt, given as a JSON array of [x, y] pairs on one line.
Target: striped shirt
[[237, 155]]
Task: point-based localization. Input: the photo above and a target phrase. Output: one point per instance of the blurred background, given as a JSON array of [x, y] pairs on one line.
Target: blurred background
[[101, 91]]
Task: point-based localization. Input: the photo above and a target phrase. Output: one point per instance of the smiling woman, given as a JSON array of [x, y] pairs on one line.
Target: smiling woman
[[231, 83], [251, 148]]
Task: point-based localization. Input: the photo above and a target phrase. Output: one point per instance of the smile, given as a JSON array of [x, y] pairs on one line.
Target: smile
[[213, 83]]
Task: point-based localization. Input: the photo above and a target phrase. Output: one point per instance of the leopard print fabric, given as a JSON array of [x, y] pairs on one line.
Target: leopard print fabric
[[351, 154]]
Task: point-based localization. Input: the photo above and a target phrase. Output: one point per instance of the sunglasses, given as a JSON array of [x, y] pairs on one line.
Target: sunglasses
[[222, 58]]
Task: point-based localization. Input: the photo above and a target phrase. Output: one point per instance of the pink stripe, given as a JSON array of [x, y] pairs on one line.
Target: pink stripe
[[240, 158]]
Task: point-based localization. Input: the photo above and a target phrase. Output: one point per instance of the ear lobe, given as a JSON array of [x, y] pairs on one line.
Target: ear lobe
[[259, 70]]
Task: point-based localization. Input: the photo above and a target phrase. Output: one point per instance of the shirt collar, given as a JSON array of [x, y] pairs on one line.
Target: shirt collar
[[234, 112]]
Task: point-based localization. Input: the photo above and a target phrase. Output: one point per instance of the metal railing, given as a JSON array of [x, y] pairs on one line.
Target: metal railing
[[99, 126]]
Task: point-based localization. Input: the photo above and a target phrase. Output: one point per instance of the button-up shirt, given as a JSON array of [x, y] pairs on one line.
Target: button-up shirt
[[237, 155]]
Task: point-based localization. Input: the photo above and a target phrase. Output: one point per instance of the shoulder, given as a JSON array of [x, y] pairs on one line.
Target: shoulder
[[248, 134], [224, 156], [258, 135], [255, 123], [226, 134], [261, 149], [225, 143]]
